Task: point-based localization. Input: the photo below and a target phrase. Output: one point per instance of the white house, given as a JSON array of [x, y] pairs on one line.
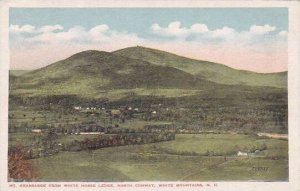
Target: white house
[[36, 130], [91, 133], [240, 153]]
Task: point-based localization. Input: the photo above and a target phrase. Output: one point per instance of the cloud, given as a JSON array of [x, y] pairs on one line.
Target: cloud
[[55, 34], [283, 33], [176, 29], [16, 29], [199, 28], [222, 33], [173, 29], [97, 31], [202, 32], [50, 28], [261, 30]]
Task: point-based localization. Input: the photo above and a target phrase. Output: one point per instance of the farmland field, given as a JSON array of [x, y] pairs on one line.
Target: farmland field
[[182, 159]]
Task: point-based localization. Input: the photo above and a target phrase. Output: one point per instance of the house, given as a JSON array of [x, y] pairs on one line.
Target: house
[[91, 133], [77, 107], [36, 130], [240, 153]]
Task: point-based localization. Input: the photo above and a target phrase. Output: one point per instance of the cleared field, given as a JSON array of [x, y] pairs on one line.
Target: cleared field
[[150, 162], [223, 144], [21, 138], [27, 117], [257, 169]]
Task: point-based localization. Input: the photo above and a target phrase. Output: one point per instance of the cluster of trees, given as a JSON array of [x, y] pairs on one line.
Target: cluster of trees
[[256, 117], [48, 145], [118, 140]]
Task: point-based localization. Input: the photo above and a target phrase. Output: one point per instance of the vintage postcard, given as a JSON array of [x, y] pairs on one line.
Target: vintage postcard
[[149, 95]]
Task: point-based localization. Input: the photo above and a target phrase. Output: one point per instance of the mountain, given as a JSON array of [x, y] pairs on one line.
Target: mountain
[[210, 71], [96, 74], [137, 71]]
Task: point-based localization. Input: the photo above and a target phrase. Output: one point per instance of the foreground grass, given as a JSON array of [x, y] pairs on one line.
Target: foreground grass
[[151, 162]]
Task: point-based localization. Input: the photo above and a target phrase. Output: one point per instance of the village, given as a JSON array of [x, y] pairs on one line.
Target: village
[[110, 129], [106, 132], [148, 131]]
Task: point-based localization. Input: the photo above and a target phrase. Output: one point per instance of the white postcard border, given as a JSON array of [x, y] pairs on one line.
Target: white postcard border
[[293, 87]]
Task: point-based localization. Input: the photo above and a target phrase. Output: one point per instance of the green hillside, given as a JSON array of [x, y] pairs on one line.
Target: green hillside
[[102, 74], [18, 72], [206, 70]]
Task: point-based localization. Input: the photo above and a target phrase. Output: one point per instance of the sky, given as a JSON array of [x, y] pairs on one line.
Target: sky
[[252, 39]]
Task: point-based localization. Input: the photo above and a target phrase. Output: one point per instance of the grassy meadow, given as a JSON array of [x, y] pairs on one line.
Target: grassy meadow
[[183, 159]]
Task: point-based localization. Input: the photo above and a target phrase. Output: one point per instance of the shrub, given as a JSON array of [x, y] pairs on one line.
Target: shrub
[[18, 166]]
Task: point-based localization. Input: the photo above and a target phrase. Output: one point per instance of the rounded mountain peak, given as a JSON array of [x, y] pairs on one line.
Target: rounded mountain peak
[[89, 53]]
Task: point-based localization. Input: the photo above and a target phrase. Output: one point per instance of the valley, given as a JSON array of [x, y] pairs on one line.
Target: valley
[[140, 114]]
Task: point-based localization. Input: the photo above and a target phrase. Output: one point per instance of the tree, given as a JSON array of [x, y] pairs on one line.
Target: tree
[[18, 166]]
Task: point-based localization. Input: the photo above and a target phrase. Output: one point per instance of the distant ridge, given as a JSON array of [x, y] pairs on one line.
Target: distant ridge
[[206, 70]]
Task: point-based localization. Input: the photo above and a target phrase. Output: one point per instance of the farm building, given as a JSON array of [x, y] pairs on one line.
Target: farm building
[[36, 130]]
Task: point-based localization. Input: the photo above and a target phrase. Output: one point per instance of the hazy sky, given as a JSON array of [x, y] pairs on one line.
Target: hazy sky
[[243, 38]]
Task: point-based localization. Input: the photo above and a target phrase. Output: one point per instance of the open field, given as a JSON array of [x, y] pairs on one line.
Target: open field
[[181, 159], [222, 144]]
